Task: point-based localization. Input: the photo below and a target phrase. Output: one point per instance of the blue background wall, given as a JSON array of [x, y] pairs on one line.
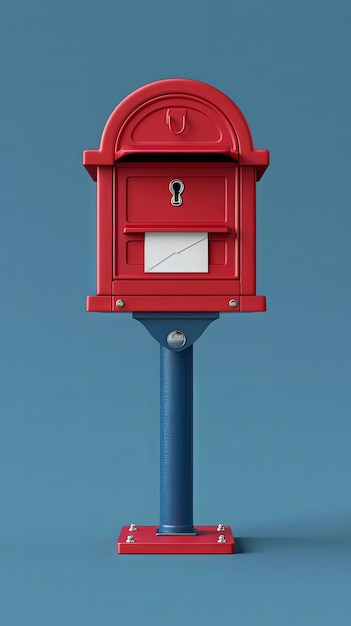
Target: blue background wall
[[79, 392]]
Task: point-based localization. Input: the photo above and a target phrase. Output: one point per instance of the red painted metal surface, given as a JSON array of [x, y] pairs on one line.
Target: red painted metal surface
[[147, 542], [181, 287], [183, 130], [104, 230], [143, 204], [248, 231], [144, 196], [131, 303]]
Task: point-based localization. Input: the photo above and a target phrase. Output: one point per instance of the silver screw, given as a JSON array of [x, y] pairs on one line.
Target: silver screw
[[132, 527], [219, 527], [233, 304], [221, 539], [120, 304], [130, 539], [176, 339]]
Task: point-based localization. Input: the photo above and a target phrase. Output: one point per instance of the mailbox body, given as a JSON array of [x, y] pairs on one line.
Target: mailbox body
[[176, 178]]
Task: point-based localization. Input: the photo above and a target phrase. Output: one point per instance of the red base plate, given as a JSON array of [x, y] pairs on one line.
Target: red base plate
[[147, 542]]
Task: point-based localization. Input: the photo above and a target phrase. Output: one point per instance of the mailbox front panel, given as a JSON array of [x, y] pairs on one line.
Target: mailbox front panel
[[196, 198], [180, 206]]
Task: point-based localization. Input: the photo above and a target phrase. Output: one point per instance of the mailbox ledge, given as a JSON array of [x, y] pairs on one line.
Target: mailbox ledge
[[178, 228], [147, 303], [170, 148], [92, 159]]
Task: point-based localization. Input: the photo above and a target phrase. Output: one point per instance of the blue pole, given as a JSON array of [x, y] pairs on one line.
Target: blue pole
[[176, 431]]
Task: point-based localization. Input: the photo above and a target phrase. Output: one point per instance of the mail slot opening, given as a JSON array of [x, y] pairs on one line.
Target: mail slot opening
[[172, 157]]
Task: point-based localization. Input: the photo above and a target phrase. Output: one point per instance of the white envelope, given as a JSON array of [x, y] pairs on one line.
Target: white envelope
[[176, 252]]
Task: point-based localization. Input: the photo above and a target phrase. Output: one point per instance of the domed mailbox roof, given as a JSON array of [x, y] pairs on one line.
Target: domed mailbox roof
[[176, 116]]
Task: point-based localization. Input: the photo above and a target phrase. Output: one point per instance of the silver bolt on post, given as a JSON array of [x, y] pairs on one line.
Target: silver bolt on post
[[233, 304], [176, 339], [220, 527], [130, 539], [221, 539], [132, 527], [120, 304]]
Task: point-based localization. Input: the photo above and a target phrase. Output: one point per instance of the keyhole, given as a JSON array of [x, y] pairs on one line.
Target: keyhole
[[176, 188]]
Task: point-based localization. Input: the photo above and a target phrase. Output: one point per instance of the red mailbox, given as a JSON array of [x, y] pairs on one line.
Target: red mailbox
[[176, 180]]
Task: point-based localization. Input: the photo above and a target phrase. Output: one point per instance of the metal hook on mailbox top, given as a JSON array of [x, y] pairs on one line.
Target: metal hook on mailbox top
[[174, 114]]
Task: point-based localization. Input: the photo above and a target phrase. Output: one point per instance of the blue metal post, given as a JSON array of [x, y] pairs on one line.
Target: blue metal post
[[176, 463]]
